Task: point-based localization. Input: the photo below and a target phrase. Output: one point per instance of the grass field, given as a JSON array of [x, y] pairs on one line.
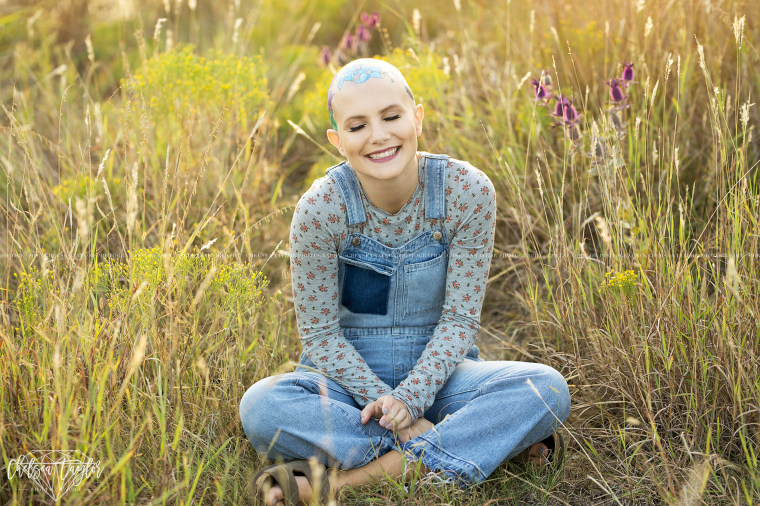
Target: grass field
[[151, 154]]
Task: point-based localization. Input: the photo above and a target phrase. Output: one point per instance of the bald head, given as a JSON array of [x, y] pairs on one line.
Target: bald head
[[362, 70]]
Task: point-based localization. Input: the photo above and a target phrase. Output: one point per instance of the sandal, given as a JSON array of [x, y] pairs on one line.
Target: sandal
[[283, 475], [556, 445]]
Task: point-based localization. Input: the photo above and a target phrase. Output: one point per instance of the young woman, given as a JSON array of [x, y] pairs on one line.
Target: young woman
[[390, 253]]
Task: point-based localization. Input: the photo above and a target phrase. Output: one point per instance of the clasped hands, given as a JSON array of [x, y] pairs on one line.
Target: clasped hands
[[393, 413], [394, 416]]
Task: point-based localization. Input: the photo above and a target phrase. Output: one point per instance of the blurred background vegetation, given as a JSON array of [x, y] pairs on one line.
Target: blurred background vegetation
[[151, 154]]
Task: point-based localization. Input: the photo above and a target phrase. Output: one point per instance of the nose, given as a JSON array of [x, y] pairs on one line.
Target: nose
[[379, 132]]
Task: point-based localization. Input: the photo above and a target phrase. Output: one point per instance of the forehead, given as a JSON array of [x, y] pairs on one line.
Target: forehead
[[369, 98]]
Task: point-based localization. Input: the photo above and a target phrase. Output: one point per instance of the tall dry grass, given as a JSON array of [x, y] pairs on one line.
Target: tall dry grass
[[146, 205]]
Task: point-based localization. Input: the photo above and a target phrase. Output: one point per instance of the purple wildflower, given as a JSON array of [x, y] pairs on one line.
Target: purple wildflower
[[567, 116], [348, 42], [565, 111], [540, 91], [370, 20], [617, 95], [571, 115], [326, 55], [627, 72], [559, 108], [362, 33]]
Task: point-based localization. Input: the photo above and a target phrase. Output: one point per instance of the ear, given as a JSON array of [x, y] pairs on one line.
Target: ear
[[419, 113], [334, 138]]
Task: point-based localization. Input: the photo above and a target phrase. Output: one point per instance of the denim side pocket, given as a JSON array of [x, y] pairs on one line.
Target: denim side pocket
[[425, 285], [365, 290]]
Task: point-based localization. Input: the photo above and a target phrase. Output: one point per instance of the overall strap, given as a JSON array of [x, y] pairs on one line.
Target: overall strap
[[435, 185], [348, 185]]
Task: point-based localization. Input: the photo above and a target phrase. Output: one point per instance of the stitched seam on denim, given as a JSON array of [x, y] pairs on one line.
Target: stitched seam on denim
[[435, 187], [502, 376], [373, 247], [460, 392], [387, 271], [422, 311], [355, 214], [356, 199], [437, 464], [388, 332], [417, 266], [424, 450]]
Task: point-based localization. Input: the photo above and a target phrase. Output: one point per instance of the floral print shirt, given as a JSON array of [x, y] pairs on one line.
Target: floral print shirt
[[317, 235]]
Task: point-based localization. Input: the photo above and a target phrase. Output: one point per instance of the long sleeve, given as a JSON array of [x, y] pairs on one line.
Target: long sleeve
[[316, 231], [471, 205]]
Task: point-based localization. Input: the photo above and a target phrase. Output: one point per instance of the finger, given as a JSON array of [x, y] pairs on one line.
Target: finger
[[368, 412], [406, 420], [392, 415], [401, 418], [387, 419], [387, 406], [396, 416], [405, 423], [388, 403]]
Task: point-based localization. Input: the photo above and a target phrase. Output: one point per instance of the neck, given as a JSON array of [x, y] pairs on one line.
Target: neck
[[391, 195]]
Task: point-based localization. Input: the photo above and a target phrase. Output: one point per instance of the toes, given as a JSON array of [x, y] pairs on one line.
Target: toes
[[539, 454], [274, 496], [271, 494]]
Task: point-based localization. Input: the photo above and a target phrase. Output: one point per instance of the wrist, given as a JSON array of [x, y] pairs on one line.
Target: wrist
[[409, 406]]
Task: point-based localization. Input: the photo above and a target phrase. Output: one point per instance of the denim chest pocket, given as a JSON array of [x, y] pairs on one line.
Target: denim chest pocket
[[425, 285], [366, 286]]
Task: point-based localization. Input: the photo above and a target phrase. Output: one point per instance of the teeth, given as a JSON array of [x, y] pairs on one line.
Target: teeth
[[384, 154]]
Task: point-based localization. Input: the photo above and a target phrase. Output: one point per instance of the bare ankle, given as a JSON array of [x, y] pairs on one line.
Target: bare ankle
[[416, 469], [337, 480]]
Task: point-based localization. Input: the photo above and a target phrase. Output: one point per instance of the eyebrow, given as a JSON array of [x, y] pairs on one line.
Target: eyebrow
[[361, 116]]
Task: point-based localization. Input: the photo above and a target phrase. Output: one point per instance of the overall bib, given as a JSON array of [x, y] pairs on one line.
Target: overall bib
[[390, 301], [391, 298]]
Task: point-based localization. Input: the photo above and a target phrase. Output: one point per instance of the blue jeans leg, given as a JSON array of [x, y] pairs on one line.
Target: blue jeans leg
[[486, 413], [301, 414]]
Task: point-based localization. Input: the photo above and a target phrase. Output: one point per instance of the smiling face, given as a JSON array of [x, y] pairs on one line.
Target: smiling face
[[376, 123]]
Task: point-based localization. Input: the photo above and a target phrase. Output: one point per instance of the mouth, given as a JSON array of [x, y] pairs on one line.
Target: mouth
[[384, 155]]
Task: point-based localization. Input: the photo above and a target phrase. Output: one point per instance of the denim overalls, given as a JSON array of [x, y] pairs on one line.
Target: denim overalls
[[390, 302], [391, 298]]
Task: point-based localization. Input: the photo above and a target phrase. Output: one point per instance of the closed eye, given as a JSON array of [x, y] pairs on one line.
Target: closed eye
[[388, 118]]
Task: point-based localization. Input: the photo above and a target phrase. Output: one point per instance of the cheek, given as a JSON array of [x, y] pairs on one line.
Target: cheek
[[350, 145]]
